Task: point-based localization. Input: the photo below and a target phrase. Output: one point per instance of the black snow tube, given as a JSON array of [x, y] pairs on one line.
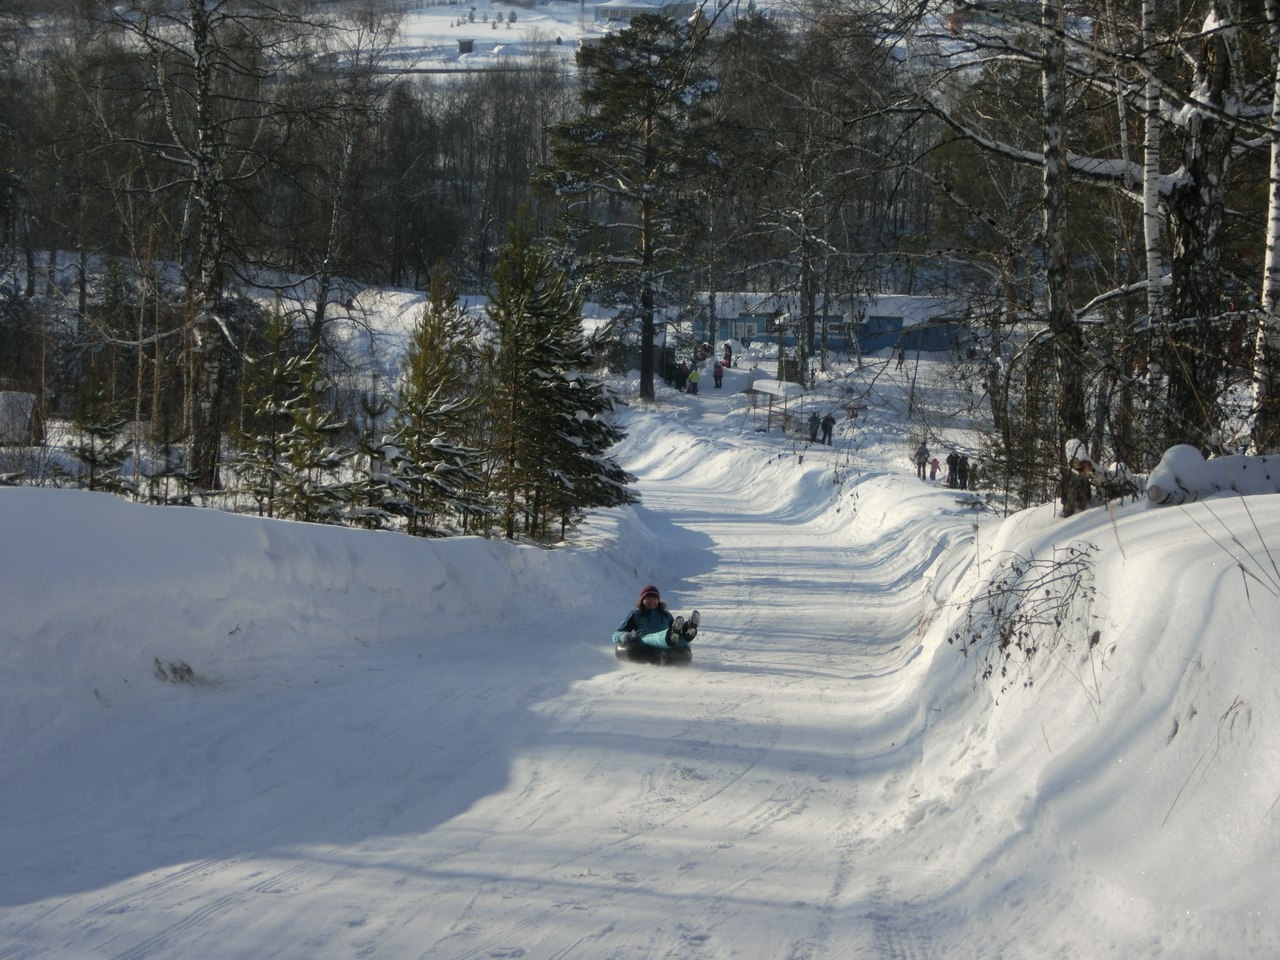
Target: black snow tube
[[637, 652]]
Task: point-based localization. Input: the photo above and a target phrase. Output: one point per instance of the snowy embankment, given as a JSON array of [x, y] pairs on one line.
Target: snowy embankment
[[224, 737]]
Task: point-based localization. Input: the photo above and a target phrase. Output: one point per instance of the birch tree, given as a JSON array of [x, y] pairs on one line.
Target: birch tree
[[1199, 115], [1266, 351], [209, 65], [1063, 327], [337, 102]]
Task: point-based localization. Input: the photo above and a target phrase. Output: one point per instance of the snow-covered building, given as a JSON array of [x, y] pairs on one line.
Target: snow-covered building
[[621, 12], [877, 322], [892, 320]]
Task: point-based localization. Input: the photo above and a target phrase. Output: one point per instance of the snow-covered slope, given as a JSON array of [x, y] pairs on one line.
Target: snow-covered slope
[[224, 737]]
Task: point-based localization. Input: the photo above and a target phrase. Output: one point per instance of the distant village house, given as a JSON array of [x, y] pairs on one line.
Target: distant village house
[[866, 324], [621, 12]]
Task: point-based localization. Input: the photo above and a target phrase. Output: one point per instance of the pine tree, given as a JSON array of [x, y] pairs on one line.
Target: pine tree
[[270, 386], [549, 435], [316, 487], [635, 148], [169, 479], [102, 449], [432, 477], [373, 502], [588, 476], [292, 454]]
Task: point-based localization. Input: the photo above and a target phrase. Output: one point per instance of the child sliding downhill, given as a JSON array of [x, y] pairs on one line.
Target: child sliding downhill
[[650, 634]]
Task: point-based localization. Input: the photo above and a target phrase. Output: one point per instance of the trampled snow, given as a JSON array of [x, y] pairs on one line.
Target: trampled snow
[[233, 738]]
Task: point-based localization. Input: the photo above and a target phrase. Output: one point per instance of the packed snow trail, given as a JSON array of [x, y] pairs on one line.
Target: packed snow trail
[[381, 756], [229, 738], [734, 792]]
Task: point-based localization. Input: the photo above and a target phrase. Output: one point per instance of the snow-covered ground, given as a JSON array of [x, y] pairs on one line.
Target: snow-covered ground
[[230, 738], [480, 34]]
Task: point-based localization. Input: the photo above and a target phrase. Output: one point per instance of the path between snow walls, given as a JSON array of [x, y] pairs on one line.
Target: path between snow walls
[[731, 808], [407, 749], [491, 782]]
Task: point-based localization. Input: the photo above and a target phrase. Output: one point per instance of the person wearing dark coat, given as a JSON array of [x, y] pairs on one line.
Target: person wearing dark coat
[[953, 461], [814, 423], [651, 624], [921, 460], [828, 425], [649, 616]]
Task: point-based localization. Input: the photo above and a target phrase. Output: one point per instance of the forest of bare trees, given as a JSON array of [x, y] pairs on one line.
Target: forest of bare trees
[[1098, 182]]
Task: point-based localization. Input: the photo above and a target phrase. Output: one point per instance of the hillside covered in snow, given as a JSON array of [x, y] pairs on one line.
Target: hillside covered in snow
[[232, 738]]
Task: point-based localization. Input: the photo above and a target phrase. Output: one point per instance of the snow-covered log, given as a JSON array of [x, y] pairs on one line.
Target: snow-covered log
[[1183, 475]]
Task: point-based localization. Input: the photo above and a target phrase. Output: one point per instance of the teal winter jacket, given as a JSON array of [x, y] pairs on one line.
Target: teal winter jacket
[[652, 625]]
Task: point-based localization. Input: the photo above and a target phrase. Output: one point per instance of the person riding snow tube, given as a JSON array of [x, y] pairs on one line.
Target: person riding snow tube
[[650, 634]]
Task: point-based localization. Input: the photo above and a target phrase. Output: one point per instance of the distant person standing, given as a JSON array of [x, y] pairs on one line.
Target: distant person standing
[[934, 467], [962, 472], [902, 358], [813, 427], [728, 354], [922, 459], [828, 425], [953, 466], [717, 373], [694, 377]]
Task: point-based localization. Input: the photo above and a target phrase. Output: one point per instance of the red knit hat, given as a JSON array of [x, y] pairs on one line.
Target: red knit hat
[[650, 589]]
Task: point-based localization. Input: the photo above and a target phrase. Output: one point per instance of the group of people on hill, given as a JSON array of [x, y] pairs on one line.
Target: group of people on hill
[[827, 424], [687, 376], [959, 475]]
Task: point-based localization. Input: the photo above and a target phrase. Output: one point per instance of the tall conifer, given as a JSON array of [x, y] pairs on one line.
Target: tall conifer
[[549, 432], [433, 474], [625, 167]]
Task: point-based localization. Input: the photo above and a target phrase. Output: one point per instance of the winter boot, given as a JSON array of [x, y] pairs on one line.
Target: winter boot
[[691, 627]]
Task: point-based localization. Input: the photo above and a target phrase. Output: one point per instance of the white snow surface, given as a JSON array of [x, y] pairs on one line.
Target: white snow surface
[[1183, 475], [231, 738]]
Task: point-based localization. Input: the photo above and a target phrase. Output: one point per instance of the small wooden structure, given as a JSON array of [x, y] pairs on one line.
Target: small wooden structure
[[777, 398]]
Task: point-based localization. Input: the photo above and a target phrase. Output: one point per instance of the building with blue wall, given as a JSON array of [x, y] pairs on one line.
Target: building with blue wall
[[867, 324]]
